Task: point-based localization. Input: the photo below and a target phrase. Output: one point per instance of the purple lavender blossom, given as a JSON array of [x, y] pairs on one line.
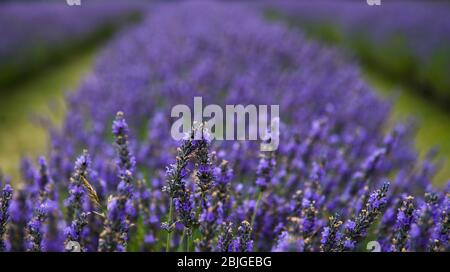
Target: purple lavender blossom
[[35, 228], [43, 180], [356, 228], [222, 193], [21, 213], [126, 160], [5, 201], [331, 234], [406, 216], [217, 208], [265, 170], [333, 148], [243, 241], [120, 211], [427, 215], [225, 238], [77, 191], [440, 236], [175, 173], [74, 231], [289, 243], [75, 203], [205, 174]]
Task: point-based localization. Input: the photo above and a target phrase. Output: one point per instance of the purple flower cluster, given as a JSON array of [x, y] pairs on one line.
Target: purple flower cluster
[[333, 159], [120, 208], [77, 199], [5, 202]]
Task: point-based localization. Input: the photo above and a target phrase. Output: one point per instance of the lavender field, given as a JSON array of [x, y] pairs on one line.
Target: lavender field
[[114, 179], [408, 40], [45, 32]]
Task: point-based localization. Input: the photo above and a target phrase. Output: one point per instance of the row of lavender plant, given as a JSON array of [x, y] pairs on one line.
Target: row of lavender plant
[[406, 38], [336, 180], [32, 31]]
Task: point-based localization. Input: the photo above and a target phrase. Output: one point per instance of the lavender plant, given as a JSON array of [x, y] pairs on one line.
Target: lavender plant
[[336, 150], [75, 203], [121, 208], [356, 229], [331, 234], [406, 216]]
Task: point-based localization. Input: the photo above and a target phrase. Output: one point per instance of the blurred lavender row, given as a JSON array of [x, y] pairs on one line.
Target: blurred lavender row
[[336, 179], [33, 31], [405, 38]]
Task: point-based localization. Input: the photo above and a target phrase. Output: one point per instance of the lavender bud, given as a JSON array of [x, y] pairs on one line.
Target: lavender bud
[[331, 234], [126, 160], [35, 228], [225, 238], [406, 216], [356, 229], [5, 201], [243, 241]]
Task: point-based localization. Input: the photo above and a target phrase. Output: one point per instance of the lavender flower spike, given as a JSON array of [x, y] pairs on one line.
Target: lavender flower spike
[[5, 201], [265, 170], [176, 172], [441, 233], [44, 181], [356, 229], [225, 238], [427, 217], [406, 216], [175, 185], [77, 191], [74, 231], [331, 234], [118, 221], [243, 241], [77, 219], [120, 130], [35, 228], [205, 175]]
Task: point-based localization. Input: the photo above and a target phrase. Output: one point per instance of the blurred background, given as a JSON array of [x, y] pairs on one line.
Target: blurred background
[[402, 47]]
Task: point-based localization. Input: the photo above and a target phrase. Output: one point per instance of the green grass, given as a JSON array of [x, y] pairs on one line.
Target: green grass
[[41, 96]]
